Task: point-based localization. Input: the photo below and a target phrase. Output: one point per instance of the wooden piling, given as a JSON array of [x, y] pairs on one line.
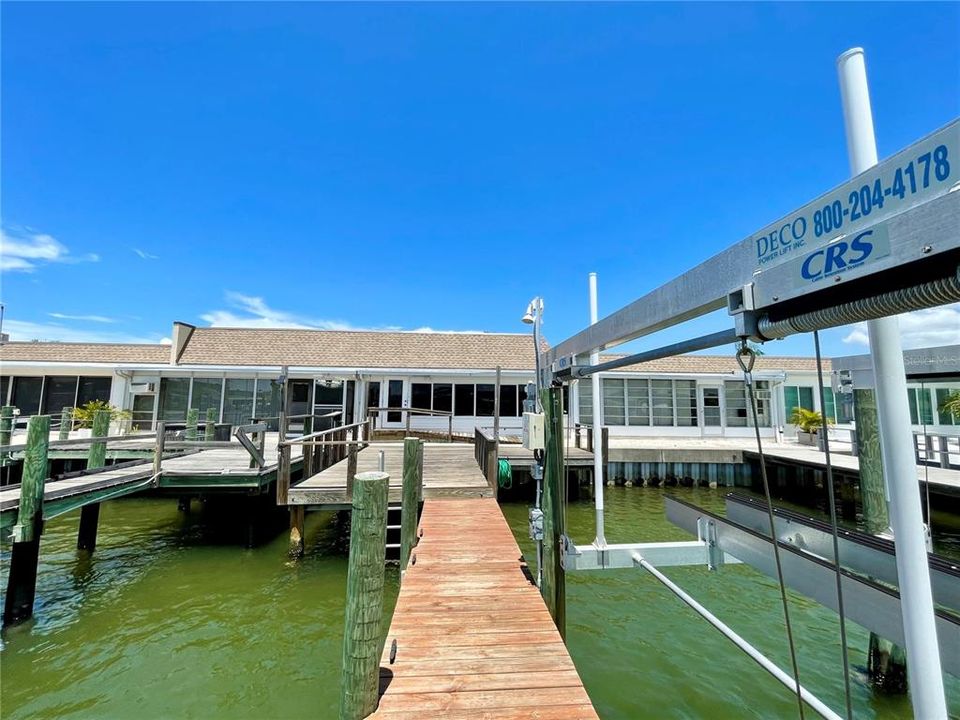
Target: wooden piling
[[297, 518], [886, 661], [66, 423], [283, 474], [97, 455], [351, 461], [193, 417], [308, 450], [6, 429], [158, 452], [25, 554], [89, 523], [411, 489], [553, 588], [360, 679], [210, 426]]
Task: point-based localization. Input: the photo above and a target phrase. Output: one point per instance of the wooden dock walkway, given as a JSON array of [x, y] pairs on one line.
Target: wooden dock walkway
[[218, 469], [474, 637], [449, 470]]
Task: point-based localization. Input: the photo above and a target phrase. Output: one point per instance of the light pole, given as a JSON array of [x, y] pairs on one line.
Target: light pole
[[533, 316]]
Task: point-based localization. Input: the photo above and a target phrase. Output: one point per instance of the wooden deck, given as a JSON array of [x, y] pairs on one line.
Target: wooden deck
[[449, 470], [520, 456], [223, 469], [474, 638]]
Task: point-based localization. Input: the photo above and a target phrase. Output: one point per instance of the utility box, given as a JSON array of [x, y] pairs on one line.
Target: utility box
[[533, 437]]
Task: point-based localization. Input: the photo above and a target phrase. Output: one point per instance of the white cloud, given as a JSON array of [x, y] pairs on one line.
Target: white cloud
[[85, 318], [144, 255], [250, 311], [25, 331], [923, 328], [25, 251]]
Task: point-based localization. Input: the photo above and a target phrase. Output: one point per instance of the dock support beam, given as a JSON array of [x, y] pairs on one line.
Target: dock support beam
[[360, 680], [886, 661], [553, 588], [412, 482], [25, 555], [297, 518], [210, 427], [96, 458]]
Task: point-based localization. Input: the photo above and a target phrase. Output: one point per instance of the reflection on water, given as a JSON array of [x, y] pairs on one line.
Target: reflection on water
[[173, 617]]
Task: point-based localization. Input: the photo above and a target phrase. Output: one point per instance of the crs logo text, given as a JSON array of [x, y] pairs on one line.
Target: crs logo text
[[837, 257]]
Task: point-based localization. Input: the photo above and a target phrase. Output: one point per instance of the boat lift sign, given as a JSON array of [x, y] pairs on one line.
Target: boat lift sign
[[921, 172]]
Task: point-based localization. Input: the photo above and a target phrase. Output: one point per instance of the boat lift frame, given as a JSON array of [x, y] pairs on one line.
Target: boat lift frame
[[914, 264]]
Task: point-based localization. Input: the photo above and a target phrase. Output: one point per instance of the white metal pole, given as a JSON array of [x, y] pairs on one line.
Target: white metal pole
[[600, 540], [916, 599]]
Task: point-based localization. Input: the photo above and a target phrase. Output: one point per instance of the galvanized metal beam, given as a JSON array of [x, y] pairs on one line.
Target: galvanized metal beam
[[869, 604]]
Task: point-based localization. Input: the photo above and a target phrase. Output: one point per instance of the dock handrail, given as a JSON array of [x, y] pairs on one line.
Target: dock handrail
[[409, 411], [485, 451]]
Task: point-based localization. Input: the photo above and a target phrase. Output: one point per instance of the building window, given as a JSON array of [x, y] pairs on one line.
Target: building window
[[919, 399], [93, 388], [267, 408], [508, 401], [613, 401], [26, 395], [443, 397], [206, 395], [420, 396], [174, 393], [734, 394], [797, 396], [463, 400], [485, 400], [661, 393], [686, 392], [59, 392], [945, 418], [238, 401], [638, 402], [4, 389]]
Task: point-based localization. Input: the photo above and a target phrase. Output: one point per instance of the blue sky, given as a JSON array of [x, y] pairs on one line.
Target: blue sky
[[432, 165]]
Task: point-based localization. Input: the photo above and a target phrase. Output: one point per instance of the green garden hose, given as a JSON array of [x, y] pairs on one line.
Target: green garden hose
[[504, 474]]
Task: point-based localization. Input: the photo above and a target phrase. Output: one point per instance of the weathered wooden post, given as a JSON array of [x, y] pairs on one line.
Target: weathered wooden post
[[66, 423], [96, 458], [351, 461], [283, 472], [210, 426], [605, 452], [97, 455], [306, 451], [158, 452], [6, 430], [22, 578], [360, 679], [297, 519], [886, 661], [554, 580], [193, 417], [412, 478]]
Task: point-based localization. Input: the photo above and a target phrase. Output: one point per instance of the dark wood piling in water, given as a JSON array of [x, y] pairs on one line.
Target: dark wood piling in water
[[25, 554], [554, 581], [96, 458], [360, 679]]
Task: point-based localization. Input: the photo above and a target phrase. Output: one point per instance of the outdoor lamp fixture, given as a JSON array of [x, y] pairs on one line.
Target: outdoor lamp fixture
[[534, 316]]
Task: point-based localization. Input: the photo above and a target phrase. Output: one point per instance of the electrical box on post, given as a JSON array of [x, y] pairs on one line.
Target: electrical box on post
[[533, 438]]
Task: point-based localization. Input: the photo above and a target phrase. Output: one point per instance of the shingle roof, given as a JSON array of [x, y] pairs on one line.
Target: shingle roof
[[83, 352], [720, 364], [358, 349]]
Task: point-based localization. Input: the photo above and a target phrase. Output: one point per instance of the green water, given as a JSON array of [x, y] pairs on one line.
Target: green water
[[174, 618]]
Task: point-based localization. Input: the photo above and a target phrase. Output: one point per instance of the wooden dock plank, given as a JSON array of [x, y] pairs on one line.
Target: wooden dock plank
[[474, 638]]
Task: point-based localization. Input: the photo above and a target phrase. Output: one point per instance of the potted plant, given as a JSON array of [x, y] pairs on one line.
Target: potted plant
[[808, 424], [83, 416]]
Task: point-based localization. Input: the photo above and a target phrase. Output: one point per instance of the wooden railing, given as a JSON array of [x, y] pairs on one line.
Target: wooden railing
[[408, 412], [321, 449], [485, 451]]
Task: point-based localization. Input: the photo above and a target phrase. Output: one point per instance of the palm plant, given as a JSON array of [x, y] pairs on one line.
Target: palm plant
[[808, 421]]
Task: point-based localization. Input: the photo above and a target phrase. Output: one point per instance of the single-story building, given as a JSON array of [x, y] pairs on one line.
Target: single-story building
[[237, 372]]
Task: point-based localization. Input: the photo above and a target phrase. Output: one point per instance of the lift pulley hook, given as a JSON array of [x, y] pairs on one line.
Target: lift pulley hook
[[746, 356]]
